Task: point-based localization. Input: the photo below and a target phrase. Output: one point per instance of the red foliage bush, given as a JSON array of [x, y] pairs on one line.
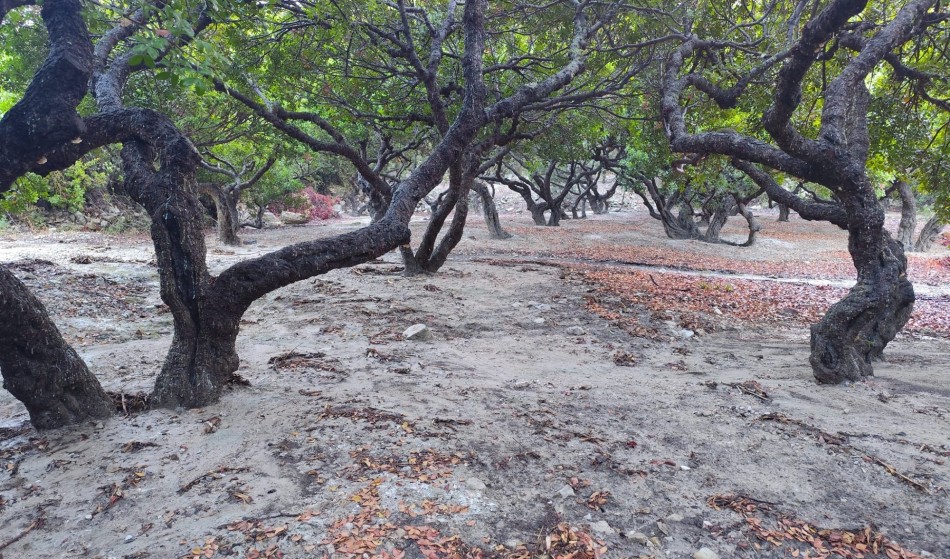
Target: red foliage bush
[[308, 202]]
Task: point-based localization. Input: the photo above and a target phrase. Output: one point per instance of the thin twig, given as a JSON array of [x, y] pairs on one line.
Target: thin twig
[[38, 523]]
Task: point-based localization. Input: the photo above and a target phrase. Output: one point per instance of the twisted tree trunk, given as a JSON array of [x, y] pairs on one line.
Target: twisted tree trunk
[[929, 233], [856, 329], [39, 368]]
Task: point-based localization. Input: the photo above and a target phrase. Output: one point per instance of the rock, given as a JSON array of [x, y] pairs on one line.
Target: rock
[[674, 518], [538, 320], [705, 553], [271, 220], [638, 537], [685, 334], [417, 332], [601, 527], [475, 484], [543, 307], [566, 492], [293, 218], [575, 331]]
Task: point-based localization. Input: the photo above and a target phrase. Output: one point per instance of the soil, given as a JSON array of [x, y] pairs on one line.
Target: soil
[[555, 409]]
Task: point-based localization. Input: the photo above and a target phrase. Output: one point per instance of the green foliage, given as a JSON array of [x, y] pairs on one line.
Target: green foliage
[[61, 189]]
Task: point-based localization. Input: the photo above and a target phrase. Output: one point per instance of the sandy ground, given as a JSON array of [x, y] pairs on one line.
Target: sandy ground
[[525, 427]]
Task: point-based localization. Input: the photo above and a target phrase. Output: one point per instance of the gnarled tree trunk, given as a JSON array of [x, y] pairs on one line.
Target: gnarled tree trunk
[[908, 223], [226, 211], [856, 329], [39, 368], [929, 233], [490, 211]]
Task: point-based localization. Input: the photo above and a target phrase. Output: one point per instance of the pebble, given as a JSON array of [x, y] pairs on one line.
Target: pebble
[[601, 527], [638, 537], [475, 484], [705, 553], [538, 320], [417, 332], [575, 331], [566, 492]]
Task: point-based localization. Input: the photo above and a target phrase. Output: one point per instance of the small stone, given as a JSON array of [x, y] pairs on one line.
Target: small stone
[[685, 334], [705, 553], [538, 320], [417, 332], [99, 425], [543, 307], [129, 538], [514, 543], [566, 492], [88, 517], [638, 537], [575, 331], [475, 484], [601, 527], [675, 517]]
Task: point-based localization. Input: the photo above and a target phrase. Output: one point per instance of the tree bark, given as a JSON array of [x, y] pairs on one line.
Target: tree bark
[[929, 233], [39, 368], [783, 212], [856, 329], [490, 212], [226, 210], [908, 224]]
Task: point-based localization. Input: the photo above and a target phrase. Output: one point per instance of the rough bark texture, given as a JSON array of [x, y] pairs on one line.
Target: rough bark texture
[[856, 329], [490, 212], [46, 117], [929, 233], [783, 212], [908, 223], [226, 212], [39, 368]]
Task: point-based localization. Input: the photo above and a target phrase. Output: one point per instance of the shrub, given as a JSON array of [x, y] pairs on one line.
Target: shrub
[[308, 202]]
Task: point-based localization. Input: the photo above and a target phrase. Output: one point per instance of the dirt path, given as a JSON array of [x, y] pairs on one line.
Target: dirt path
[[525, 418]]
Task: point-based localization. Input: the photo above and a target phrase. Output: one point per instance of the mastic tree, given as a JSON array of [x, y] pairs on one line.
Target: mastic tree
[[44, 132], [808, 70]]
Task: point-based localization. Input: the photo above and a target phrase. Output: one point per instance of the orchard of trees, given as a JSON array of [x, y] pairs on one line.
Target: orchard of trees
[[823, 107]]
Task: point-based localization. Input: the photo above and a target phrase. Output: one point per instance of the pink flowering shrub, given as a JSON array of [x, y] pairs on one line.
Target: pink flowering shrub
[[308, 202]]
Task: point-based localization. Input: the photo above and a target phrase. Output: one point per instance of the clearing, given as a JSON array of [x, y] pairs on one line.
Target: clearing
[[593, 389]]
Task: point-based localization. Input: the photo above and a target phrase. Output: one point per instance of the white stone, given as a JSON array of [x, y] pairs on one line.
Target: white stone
[[417, 332], [566, 492], [601, 527], [705, 553]]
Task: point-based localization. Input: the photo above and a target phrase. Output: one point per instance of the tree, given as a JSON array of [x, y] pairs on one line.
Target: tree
[[825, 141], [43, 132]]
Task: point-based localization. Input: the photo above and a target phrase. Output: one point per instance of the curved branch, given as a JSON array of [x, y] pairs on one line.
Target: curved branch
[[812, 211]]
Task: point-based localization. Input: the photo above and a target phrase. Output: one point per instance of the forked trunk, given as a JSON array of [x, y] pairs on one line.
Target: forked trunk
[[783, 212], [39, 368], [202, 356], [226, 210], [856, 329]]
